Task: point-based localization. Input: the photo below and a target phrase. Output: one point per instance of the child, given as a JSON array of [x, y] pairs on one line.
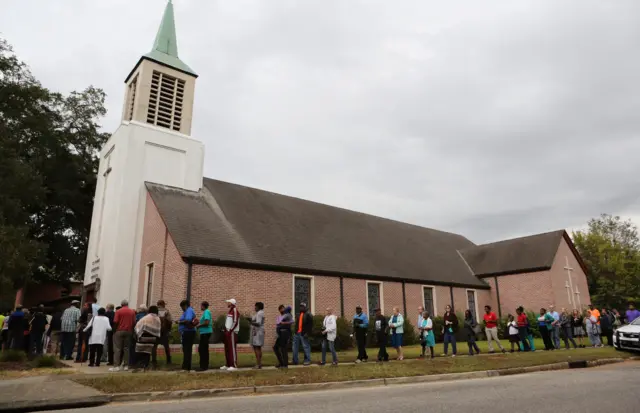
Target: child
[[514, 336], [427, 332]]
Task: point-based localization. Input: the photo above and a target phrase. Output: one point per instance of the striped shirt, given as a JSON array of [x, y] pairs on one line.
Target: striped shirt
[[70, 319]]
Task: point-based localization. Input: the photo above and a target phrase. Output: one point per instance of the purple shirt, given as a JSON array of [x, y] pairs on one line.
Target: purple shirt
[[632, 315]]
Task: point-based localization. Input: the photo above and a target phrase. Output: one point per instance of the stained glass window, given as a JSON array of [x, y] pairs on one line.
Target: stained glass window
[[373, 292], [302, 287], [471, 302], [428, 300]]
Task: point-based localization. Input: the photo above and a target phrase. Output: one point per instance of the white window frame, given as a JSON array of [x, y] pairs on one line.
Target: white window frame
[[312, 304], [475, 299], [366, 290], [147, 293], [435, 300]]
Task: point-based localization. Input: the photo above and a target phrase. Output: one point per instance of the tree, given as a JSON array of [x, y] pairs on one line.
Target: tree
[[610, 248], [49, 147]]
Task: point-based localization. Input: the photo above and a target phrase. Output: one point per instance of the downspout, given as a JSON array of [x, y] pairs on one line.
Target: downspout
[[341, 296], [453, 307], [189, 276], [404, 299], [495, 279]]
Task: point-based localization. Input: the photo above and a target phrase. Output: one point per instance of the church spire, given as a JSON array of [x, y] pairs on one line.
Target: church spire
[[165, 46]]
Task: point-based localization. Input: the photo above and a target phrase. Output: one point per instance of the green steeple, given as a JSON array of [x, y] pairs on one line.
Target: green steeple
[[165, 47]]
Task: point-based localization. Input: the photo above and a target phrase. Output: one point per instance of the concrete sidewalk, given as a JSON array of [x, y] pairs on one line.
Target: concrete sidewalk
[[41, 393]]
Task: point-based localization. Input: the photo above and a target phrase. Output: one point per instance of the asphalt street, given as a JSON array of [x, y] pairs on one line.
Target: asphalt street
[[610, 389]]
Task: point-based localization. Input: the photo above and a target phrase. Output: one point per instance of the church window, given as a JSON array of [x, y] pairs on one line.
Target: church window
[[302, 292], [428, 295], [374, 297], [131, 97], [166, 101], [471, 303]]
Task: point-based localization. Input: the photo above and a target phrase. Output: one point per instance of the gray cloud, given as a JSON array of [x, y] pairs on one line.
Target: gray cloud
[[490, 119]]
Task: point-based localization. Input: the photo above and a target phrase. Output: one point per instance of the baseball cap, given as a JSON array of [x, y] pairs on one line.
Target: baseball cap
[[75, 302], [231, 300]]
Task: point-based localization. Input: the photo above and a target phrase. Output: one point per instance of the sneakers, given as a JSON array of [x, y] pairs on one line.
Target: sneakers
[[232, 369], [224, 368], [358, 361], [125, 368], [114, 369], [306, 363], [453, 355]]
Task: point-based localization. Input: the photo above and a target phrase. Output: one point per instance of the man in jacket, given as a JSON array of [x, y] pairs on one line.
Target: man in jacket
[[68, 327], [360, 326], [329, 331], [304, 327], [382, 327], [165, 331], [231, 328]]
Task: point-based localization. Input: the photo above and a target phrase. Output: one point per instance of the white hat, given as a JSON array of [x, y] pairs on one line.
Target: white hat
[[231, 300]]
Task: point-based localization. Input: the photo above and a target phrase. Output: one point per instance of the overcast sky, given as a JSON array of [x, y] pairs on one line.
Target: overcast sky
[[492, 119]]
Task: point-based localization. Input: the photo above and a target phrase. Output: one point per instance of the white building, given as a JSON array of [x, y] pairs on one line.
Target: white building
[[151, 144]]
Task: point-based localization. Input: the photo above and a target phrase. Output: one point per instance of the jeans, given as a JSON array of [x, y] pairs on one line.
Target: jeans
[[332, 347], [297, 339], [35, 347], [555, 336], [361, 340], [164, 342], [203, 351], [594, 338], [609, 335], [121, 347], [524, 338], [382, 347], [188, 337], [68, 342], [449, 337], [471, 343], [567, 335], [95, 354], [546, 338], [17, 340], [492, 335], [281, 347]]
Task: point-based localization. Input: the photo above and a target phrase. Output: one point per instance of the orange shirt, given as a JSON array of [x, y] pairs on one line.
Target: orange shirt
[[596, 314], [300, 322]]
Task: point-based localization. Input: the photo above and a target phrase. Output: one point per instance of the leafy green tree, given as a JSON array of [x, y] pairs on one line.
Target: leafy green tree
[[49, 147], [610, 248]]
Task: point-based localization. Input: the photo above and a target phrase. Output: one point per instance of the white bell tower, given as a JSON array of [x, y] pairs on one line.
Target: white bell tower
[[152, 143]]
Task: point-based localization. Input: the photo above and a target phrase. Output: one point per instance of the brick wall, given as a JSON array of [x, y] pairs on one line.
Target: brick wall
[[560, 278]]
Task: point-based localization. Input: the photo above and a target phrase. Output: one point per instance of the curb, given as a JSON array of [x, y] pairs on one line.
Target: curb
[[40, 405], [295, 388]]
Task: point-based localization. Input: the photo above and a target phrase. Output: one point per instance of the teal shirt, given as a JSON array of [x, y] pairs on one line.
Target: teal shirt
[[206, 315]]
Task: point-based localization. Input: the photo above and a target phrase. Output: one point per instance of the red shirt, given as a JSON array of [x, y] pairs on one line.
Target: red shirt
[[491, 320], [522, 320], [125, 319]]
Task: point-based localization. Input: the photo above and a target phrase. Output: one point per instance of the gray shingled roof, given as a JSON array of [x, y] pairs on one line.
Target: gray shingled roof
[[518, 255], [235, 225]]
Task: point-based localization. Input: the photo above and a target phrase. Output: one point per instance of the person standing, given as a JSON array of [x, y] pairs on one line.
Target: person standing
[[555, 327], [420, 331], [69, 325], [283, 333], [522, 322], [360, 326], [4, 337], [396, 324], [166, 323], [491, 329], [125, 321], [632, 313], [450, 328], [55, 336], [99, 326], [545, 324], [187, 333], [567, 329], [38, 328], [596, 314], [329, 332], [147, 332], [382, 327], [591, 323], [108, 344], [231, 329], [304, 328], [257, 333], [606, 326], [16, 328], [514, 334], [577, 322], [429, 337], [470, 331], [205, 329], [616, 319]]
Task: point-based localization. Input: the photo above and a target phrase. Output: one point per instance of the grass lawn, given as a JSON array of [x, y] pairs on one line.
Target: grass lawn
[[158, 381], [269, 359], [14, 365]]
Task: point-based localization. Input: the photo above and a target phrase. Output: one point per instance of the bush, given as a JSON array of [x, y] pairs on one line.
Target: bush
[[343, 339], [45, 361], [13, 356]]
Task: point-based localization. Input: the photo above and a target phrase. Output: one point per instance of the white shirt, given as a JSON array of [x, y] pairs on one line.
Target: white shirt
[[100, 325], [331, 326], [513, 327]]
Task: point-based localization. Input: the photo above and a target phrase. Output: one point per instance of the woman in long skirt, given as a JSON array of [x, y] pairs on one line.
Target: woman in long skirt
[[257, 333]]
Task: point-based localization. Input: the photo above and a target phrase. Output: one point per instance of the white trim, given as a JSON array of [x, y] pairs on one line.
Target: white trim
[[366, 291], [146, 293], [475, 300], [433, 294], [312, 304]]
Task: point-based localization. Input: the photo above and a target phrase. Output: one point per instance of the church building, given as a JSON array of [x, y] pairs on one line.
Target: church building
[[160, 230]]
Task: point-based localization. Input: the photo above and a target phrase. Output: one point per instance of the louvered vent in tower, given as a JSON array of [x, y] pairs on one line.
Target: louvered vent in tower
[[131, 99], [165, 101]]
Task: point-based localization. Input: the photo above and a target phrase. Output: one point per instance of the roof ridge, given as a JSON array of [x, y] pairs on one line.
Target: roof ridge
[[559, 231]]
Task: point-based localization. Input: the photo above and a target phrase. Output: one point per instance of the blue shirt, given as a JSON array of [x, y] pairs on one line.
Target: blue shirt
[[206, 315], [363, 318], [555, 315], [189, 315]]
